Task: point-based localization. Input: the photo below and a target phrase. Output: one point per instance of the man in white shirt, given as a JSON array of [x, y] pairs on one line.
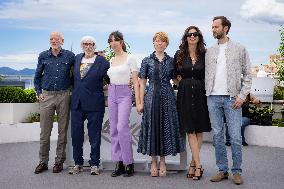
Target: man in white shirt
[[227, 83]]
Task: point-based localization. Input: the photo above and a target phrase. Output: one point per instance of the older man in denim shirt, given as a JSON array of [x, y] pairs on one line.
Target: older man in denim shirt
[[52, 83]]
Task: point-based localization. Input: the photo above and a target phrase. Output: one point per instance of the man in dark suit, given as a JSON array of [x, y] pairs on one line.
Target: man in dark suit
[[88, 103]]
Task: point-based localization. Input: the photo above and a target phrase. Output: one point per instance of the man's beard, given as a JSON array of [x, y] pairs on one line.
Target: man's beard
[[218, 35]]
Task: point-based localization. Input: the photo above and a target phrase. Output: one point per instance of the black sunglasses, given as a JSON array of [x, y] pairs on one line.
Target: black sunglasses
[[195, 34]]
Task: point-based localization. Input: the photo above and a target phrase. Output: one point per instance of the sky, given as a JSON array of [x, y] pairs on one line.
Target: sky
[[25, 25]]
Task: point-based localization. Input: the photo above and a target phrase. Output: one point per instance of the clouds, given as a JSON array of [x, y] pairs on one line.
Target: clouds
[[85, 15], [26, 24], [130, 16], [270, 11], [19, 61]]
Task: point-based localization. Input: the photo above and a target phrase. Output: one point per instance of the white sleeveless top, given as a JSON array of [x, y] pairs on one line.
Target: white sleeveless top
[[121, 74]]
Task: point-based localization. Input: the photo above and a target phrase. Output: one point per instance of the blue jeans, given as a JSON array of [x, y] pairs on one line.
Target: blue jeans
[[245, 122], [220, 106]]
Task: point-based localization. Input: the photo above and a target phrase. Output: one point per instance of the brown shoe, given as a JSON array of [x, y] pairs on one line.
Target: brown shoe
[[57, 168], [237, 179], [219, 176], [40, 168]]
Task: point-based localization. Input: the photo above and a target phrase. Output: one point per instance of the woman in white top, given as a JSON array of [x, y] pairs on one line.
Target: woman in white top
[[123, 67]]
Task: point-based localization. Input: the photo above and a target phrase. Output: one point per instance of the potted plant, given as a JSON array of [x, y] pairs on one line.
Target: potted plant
[[266, 114], [17, 103], [261, 116], [254, 115]]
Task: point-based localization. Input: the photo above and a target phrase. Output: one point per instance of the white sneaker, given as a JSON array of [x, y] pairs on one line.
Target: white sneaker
[[76, 169], [95, 170]]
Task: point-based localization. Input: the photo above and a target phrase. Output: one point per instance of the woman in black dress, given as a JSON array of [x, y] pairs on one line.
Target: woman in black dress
[[191, 99]]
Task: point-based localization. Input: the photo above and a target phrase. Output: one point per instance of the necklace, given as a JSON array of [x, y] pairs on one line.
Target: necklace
[[193, 60]]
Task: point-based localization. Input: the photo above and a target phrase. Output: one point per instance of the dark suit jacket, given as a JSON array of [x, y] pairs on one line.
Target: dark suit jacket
[[88, 91]]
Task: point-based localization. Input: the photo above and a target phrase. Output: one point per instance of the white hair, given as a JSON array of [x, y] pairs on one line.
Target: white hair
[[87, 38]]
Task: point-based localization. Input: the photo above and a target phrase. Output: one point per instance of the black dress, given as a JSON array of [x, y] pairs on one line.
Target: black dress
[[191, 100]]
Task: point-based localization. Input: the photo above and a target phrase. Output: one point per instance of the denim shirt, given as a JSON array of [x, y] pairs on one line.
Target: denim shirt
[[53, 72]]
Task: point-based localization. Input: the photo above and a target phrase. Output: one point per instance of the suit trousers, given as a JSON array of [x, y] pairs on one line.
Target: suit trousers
[[94, 126]]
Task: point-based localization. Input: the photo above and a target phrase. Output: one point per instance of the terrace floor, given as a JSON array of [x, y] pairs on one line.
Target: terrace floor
[[263, 168]]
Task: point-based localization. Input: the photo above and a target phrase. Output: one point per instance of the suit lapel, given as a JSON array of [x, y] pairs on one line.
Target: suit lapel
[[77, 66], [92, 67]]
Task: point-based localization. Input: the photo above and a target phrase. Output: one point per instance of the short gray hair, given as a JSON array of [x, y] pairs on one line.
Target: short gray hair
[[87, 38]]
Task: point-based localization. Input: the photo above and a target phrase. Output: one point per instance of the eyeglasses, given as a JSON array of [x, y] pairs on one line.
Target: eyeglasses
[[88, 44], [195, 34]]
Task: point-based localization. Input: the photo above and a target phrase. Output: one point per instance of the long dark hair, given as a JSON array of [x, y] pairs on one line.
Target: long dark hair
[[183, 53], [118, 36]]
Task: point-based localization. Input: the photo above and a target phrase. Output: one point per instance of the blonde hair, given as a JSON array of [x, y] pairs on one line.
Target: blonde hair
[[161, 35]]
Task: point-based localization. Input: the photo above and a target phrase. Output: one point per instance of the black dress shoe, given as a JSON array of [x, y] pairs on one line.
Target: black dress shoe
[[40, 168], [119, 169], [244, 143], [129, 170], [57, 168]]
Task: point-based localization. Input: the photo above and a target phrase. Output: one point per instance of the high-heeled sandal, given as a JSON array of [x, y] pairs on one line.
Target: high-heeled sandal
[[201, 173], [190, 174], [163, 172], [154, 171]]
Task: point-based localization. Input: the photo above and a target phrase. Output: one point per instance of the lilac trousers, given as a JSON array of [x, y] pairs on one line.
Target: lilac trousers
[[119, 105]]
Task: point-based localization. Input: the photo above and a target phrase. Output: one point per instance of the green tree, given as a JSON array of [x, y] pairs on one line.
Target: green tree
[[109, 53], [30, 96], [280, 64]]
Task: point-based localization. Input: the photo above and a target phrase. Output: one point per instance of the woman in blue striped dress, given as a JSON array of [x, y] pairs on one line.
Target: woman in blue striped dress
[[159, 135]]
